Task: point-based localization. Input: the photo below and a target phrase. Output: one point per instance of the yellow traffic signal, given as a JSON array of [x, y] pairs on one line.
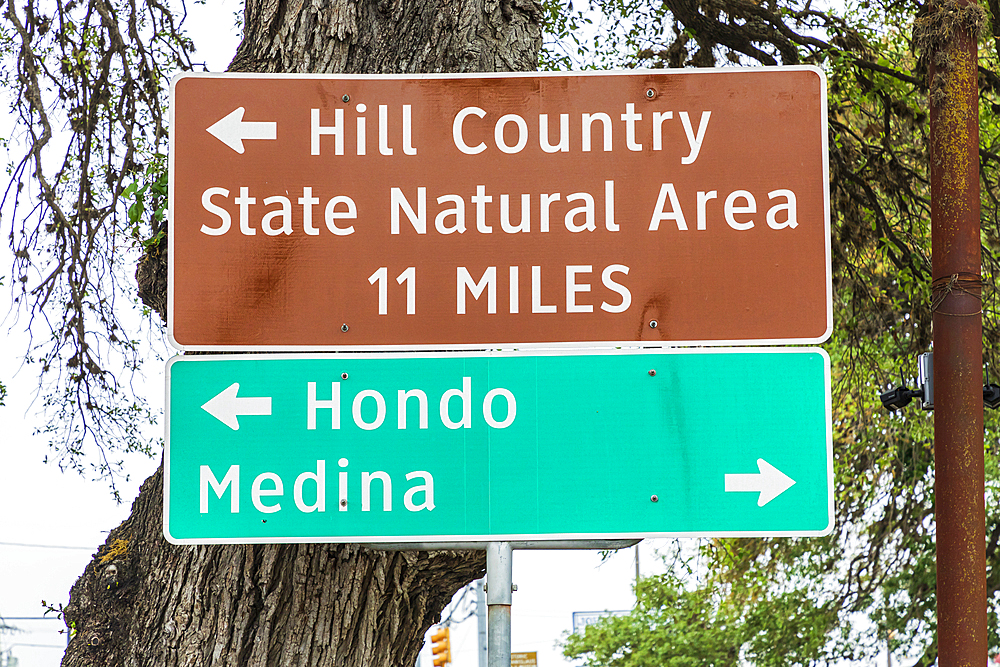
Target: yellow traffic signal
[[441, 647]]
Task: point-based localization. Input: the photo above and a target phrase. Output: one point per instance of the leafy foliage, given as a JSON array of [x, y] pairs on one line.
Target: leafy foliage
[[798, 601], [683, 618], [87, 83], [670, 627]]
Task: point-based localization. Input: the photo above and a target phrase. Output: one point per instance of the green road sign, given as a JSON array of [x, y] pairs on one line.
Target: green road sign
[[377, 448]]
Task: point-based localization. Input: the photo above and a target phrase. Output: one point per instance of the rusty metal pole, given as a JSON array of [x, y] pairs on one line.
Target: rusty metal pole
[[958, 358]]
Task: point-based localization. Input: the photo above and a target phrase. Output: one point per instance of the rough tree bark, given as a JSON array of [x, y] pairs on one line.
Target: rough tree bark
[[142, 601]]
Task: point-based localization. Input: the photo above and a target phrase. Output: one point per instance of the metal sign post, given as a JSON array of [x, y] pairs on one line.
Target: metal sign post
[[499, 587], [481, 622]]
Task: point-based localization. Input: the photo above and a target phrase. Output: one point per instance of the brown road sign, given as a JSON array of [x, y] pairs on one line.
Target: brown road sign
[[391, 212]]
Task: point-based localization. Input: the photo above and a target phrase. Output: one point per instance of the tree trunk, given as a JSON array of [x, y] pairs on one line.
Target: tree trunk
[[142, 601]]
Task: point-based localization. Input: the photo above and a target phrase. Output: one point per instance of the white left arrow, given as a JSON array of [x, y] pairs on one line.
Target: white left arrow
[[233, 130], [226, 406], [769, 482]]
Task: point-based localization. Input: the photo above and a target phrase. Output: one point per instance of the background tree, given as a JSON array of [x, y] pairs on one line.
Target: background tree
[[86, 202], [873, 579], [88, 81]]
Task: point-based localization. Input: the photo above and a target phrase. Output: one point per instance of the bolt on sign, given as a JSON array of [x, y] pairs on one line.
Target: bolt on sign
[[455, 212]]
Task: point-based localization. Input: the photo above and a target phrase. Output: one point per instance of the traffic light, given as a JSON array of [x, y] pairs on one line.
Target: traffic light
[[441, 647]]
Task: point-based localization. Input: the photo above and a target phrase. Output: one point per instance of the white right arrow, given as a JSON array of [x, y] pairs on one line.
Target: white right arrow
[[232, 130], [769, 482], [226, 406]]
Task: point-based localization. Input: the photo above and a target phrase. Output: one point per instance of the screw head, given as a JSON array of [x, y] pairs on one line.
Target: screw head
[[344, 328], [652, 373], [650, 93], [343, 376], [346, 98], [654, 498], [652, 324]]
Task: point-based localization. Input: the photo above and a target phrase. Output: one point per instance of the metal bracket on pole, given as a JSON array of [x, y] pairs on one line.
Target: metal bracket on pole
[[499, 589]]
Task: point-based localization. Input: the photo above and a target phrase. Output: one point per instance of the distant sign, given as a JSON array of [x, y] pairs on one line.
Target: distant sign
[[455, 212], [418, 448], [524, 659], [581, 619]]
